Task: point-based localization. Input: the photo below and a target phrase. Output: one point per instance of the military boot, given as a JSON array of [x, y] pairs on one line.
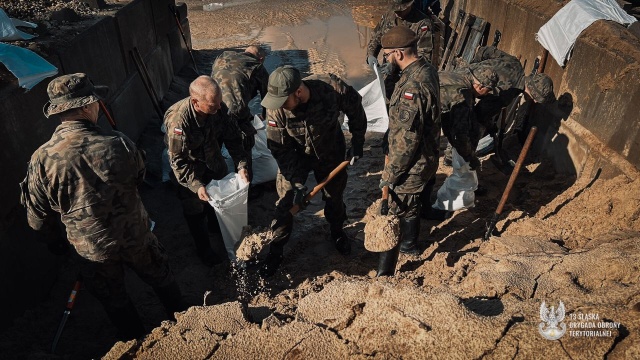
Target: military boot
[[409, 229], [200, 235], [171, 298], [341, 240], [127, 322], [387, 262]]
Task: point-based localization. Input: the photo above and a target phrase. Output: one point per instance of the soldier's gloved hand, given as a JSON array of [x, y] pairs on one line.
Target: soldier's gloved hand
[[384, 207], [385, 69], [474, 163], [372, 60], [299, 193], [354, 153], [248, 140], [384, 183]]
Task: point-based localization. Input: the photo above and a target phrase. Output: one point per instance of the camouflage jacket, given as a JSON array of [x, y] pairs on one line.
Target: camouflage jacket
[[507, 67], [458, 119], [240, 76], [312, 132], [195, 145], [414, 126], [416, 21], [89, 177]]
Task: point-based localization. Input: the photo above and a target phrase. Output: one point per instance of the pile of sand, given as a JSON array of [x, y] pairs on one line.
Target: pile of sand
[[253, 240], [38, 10]]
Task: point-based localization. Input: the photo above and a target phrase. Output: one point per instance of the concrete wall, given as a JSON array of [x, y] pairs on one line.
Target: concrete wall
[[103, 52], [598, 89]]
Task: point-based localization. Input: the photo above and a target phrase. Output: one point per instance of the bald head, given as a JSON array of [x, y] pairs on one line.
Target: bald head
[[256, 51], [205, 95]]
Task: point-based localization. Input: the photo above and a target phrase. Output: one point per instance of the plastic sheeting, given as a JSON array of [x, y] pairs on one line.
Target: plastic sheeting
[[26, 65], [8, 30], [229, 199], [373, 102], [560, 33]]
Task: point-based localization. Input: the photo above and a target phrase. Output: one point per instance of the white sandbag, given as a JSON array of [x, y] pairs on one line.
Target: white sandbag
[[229, 199], [559, 34], [373, 102], [457, 192]]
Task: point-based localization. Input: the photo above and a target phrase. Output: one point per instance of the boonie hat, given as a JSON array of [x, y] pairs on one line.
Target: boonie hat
[[283, 82], [72, 91], [485, 75], [401, 5], [398, 37], [540, 87]]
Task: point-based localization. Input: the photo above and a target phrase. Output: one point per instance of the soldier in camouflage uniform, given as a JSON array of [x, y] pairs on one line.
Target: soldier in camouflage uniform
[[402, 13], [304, 134], [241, 76], [197, 127], [414, 138], [88, 177], [458, 91]]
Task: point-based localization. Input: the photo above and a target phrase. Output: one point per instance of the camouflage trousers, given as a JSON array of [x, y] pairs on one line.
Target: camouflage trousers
[[405, 205], [147, 258], [334, 207]]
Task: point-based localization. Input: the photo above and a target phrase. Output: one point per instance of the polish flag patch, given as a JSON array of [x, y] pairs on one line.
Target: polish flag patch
[[408, 96], [272, 123], [424, 28], [177, 131]]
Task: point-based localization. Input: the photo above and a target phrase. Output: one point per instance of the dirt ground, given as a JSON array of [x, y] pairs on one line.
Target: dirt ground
[[562, 238]]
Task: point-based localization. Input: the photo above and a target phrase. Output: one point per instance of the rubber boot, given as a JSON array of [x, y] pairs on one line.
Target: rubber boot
[[200, 236], [409, 228], [425, 197], [171, 298], [127, 322], [341, 240], [387, 262]]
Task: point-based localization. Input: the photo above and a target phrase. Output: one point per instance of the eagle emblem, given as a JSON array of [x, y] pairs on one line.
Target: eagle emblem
[[552, 327]]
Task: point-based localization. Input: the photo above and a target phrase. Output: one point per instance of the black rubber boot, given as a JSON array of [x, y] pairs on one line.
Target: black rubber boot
[[425, 196], [409, 230], [127, 322], [387, 262], [171, 298], [341, 240], [200, 235]]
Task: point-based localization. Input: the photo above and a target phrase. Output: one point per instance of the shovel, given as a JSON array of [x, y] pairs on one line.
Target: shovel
[[491, 225], [252, 243]]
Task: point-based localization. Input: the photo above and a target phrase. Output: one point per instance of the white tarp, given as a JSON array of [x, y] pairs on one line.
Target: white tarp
[[374, 105], [559, 34], [25, 65], [8, 30]]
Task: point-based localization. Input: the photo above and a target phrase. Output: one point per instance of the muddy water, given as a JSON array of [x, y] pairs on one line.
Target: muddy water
[[334, 45]]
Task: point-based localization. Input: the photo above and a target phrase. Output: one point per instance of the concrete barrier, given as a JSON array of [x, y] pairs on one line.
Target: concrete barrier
[[137, 29]]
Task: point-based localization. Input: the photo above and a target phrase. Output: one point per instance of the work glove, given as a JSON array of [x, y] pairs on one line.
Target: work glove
[[354, 153], [299, 193], [372, 60], [474, 163], [384, 183], [385, 69], [384, 207], [248, 140]]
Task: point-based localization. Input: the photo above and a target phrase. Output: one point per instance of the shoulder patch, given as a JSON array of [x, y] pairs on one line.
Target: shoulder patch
[[424, 28], [408, 95], [178, 131], [272, 123]]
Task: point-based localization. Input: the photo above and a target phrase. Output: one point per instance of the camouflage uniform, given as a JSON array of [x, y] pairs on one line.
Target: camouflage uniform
[[510, 82], [414, 136], [195, 150], [459, 123], [240, 76], [89, 177], [310, 138], [416, 20]]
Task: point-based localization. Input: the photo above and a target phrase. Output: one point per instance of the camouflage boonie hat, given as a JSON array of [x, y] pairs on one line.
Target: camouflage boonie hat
[[72, 91], [398, 37], [283, 82], [485, 75], [540, 87], [401, 5]]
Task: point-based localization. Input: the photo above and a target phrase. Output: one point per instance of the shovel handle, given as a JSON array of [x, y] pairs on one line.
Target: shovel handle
[[296, 208]]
